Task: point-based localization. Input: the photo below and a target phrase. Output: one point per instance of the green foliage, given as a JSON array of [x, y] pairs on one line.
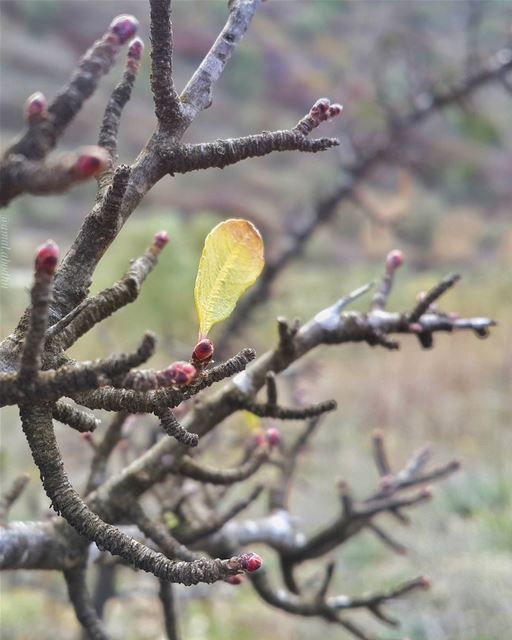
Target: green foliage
[[475, 126]]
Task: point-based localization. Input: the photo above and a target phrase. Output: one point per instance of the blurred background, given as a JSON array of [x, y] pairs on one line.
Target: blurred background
[[444, 199]]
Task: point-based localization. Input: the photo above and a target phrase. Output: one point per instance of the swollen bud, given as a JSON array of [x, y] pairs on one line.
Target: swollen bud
[[124, 27], [425, 583], [234, 580], [47, 257], [161, 239], [181, 373], [273, 436], [88, 437], [35, 106], [91, 161], [136, 49], [321, 107], [251, 562], [334, 110], [394, 260], [203, 351]]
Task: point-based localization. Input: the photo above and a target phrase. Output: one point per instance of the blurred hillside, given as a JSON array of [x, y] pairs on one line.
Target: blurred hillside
[[454, 174], [445, 200]]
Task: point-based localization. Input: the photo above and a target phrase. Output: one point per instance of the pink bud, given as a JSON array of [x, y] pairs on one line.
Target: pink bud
[[425, 583], [136, 49], [91, 161], [47, 257], [394, 260], [203, 351], [234, 580], [161, 239], [273, 436], [250, 562], [88, 437], [181, 373], [334, 110], [124, 27], [320, 107], [415, 327], [420, 296], [35, 106]]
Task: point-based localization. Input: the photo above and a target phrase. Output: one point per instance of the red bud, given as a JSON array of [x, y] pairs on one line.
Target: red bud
[[181, 373], [234, 580], [124, 27], [35, 106], [394, 260], [90, 162], [136, 49], [334, 110], [47, 257], [273, 436], [161, 239], [320, 107], [203, 351], [88, 437], [251, 562]]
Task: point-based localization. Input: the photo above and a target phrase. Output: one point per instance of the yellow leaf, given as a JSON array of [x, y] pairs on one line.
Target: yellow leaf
[[231, 261]]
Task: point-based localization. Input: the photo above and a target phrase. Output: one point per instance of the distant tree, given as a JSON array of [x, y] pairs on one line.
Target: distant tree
[[204, 541]]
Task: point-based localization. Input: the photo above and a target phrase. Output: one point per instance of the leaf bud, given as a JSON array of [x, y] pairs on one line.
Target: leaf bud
[[394, 260], [124, 27], [273, 436], [91, 161], [161, 239], [320, 108], [251, 561], [47, 257], [203, 351], [35, 106], [136, 49], [181, 373]]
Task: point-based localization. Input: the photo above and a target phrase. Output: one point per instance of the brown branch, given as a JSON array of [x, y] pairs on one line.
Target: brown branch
[[30, 363], [324, 209], [193, 534], [82, 603], [71, 379], [183, 158], [110, 300], [160, 535], [74, 418], [167, 100], [103, 450], [173, 428], [198, 93], [22, 167], [112, 399], [120, 96], [265, 410], [167, 599], [9, 497], [432, 295], [190, 468], [38, 429]]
